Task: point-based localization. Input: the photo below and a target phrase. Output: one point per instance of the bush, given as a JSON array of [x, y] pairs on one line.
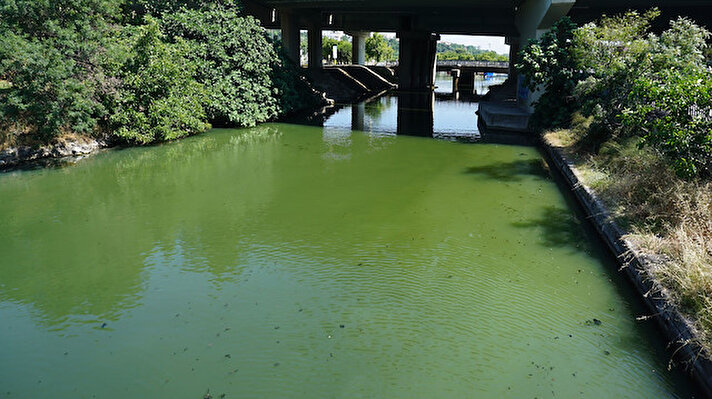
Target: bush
[[631, 83], [549, 65], [675, 117], [234, 59], [158, 99], [51, 58]]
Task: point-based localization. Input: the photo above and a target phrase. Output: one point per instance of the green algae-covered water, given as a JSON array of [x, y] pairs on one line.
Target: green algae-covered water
[[299, 262]]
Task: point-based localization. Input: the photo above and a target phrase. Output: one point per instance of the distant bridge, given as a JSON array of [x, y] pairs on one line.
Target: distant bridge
[[464, 66], [474, 66]]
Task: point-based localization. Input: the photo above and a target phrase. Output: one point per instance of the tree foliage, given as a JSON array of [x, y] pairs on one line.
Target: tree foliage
[[460, 52], [51, 58], [234, 60], [158, 99], [550, 66], [630, 83], [343, 50], [142, 70], [377, 48]]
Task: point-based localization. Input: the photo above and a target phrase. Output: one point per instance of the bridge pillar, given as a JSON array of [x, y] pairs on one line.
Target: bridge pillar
[[314, 44], [358, 112], [514, 46], [416, 60], [358, 47], [290, 36], [455, 73], [415, 114], [467, 81]]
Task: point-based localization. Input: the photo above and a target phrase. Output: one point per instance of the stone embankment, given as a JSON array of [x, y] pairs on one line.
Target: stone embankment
[[17, 156]]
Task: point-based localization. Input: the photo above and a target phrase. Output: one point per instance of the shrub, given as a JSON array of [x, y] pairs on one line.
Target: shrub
[[675, 117], [549, 65], [50, 57], [158, 98], [247, 80]]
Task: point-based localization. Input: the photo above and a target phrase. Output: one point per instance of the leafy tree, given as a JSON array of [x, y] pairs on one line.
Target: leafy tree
[[343, 49], [613, 52], [676, 119], [247, 78], [50, 56], [377, 48], [670, 104], [549, 65], [234, 62], [158, 98]]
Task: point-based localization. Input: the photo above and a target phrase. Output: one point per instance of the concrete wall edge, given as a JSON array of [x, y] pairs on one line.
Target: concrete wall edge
[[673, 324]]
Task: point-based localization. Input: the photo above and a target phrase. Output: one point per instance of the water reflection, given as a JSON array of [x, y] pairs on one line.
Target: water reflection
[[255, 261], [415, 114], [440, 114]]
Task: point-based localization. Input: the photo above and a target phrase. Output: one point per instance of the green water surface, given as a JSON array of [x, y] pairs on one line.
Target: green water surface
[[296, 262]]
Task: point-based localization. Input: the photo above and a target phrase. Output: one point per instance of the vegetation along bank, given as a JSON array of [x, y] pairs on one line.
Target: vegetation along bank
[[633, 110], [136, 72]]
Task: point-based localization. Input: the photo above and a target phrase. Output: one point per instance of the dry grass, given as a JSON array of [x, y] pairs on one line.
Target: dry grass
[[666, 216]]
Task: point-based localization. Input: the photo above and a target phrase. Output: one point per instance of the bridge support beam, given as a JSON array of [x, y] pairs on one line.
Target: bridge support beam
[[290, 36], [358, 113], [455, 73], [358, 47], [514, 46], [416, 60], [314, 44], [415, 114], [467, 81], [533, 19]]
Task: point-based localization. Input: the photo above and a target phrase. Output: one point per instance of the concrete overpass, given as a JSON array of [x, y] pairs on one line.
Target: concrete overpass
[[418, 23]]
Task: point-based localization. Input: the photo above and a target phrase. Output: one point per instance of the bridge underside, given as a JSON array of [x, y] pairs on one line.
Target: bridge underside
[[418, 23], [495, 21]]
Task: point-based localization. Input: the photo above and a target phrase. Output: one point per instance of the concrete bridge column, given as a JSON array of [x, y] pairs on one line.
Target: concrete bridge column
[[358, 112], [467, 81], [358, 47], [415, 113], [290, 36], [514, 46], [533, 18], [455, 73], [314, 44], [416, 60]]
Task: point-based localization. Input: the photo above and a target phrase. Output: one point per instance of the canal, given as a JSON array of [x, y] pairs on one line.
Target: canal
[[296, 261]]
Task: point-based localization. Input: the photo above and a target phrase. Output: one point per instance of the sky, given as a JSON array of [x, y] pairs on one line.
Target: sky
[[484, 42]]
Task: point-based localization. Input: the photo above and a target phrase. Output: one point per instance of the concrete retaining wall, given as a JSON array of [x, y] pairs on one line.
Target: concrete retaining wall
[[675, 327]]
